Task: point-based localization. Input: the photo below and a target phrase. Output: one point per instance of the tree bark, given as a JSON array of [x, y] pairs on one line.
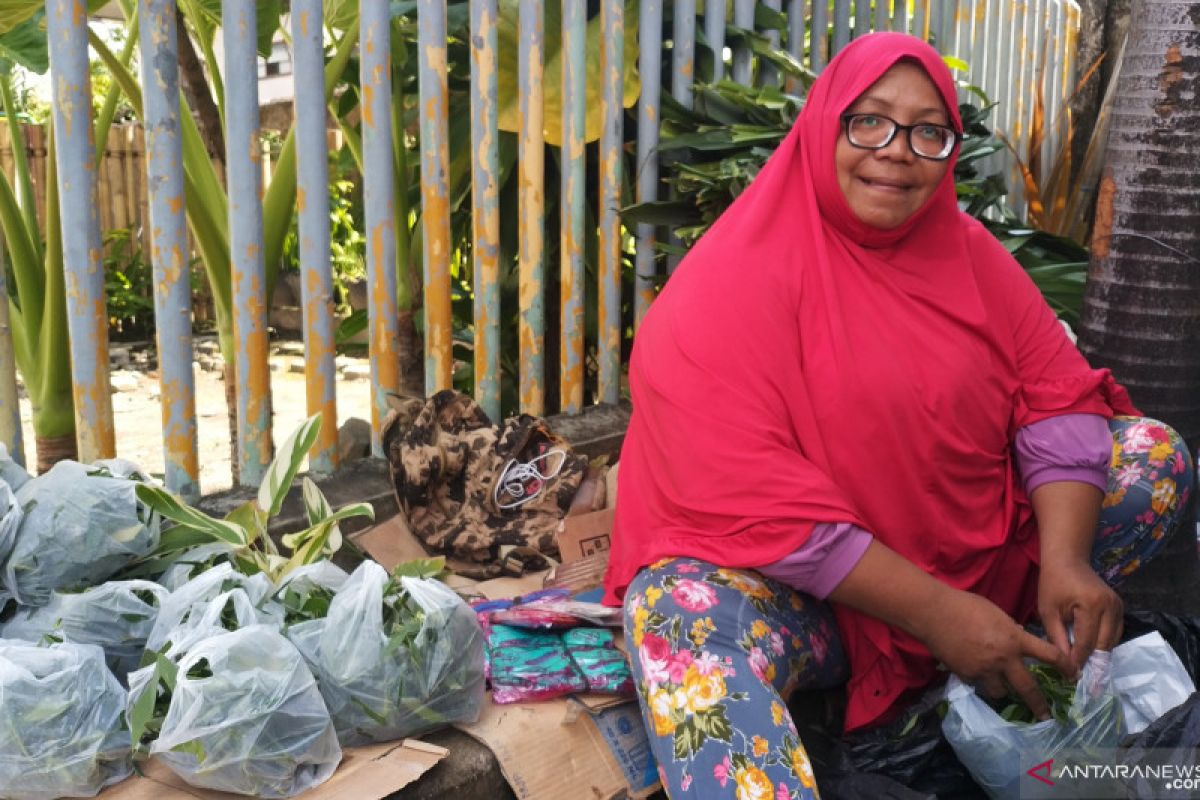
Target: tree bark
[[195, 87], [53, 449], [1141, 309]]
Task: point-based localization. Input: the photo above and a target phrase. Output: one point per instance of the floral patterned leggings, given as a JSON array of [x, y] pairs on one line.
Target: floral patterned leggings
[[718, 651]]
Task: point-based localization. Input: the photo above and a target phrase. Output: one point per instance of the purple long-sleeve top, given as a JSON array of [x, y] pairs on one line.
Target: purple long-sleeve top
[[1071, 447]]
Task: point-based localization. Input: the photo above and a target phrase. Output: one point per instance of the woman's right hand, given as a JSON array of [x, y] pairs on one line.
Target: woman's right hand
[[984, 647], [971, 635]]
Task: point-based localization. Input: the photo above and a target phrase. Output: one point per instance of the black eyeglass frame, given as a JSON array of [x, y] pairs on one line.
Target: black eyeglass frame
[[896, 128]]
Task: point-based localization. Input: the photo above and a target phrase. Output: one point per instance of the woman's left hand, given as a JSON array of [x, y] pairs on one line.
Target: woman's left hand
[[1070, 593]]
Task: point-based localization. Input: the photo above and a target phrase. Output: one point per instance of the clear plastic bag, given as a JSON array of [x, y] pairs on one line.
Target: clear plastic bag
[[992, 748], [427, 673], [62, 732], [81, 524], [192, 599], [11, 472], [1149, 679], [117, 616], [246, 717], [10, 522]]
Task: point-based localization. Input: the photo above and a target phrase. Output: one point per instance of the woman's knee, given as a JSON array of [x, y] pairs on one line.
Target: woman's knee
[[1150, 483]]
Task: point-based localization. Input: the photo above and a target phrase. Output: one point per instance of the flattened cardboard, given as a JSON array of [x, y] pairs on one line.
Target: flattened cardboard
[[561, 748], [585, 535], [391, 542], [366, 773]]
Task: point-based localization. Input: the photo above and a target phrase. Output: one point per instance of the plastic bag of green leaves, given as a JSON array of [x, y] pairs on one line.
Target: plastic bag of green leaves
[[997, 751], [189, 601], [81, 524], [245, 716], [10, 521], [117, 616], [395, 655], [62, 733]]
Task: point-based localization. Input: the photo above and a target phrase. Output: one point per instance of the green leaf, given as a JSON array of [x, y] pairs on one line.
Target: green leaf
[[208, 14], [195, 747], [954, 62], [420, 568], [26, 44], [172, 508], [507, 80], [251, 518], [283, 468], [316, 507]]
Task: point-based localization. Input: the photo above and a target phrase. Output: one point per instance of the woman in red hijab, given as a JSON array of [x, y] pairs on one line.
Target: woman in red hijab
[[850, 391]]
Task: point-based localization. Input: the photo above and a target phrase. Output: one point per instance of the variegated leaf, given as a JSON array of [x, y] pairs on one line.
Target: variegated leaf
[[283, 468], [172, 508]]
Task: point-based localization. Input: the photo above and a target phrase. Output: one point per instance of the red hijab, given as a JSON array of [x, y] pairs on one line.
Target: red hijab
[[801, 367]]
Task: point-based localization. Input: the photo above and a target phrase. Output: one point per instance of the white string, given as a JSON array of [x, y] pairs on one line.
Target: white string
[[515, 475]]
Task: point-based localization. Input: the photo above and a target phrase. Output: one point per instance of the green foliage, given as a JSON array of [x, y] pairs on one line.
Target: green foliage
[[347, 245], [128, 285], [1058, 691], [243, 532]]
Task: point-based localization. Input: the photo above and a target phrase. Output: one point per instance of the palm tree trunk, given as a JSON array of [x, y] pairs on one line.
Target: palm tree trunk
[[53, 449], [1141, 308]]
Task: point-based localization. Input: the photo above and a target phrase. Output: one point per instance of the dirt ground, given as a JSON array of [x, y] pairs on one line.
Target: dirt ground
[[138, 416]]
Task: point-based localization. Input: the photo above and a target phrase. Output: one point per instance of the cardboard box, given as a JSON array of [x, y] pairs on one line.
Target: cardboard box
[[366, 773], [585, 535], [571, 747]]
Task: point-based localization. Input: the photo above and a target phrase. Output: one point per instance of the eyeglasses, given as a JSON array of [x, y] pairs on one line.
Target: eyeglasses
[[875, 132]]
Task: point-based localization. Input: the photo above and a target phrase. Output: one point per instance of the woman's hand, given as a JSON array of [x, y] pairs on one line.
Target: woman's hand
[[983, 646], [1071, 594], [971, 635]]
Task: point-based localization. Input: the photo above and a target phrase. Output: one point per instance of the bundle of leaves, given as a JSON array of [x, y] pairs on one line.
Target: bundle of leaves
[[1058, 690], [197, 541], [395, 655], [236, 711], [62, 732]]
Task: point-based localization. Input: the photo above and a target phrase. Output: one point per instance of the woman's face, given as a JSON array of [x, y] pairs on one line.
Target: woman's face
[[885, 187]]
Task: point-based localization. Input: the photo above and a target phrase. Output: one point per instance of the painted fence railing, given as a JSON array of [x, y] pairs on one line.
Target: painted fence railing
[[1015, 50]]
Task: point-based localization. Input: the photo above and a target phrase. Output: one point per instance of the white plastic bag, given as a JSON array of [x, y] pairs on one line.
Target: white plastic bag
[[246, 717], [191, 600], [10, 521], [117, 616], [61, 733], [992, 748], [1149, 679], [427, 676], [81, 524]]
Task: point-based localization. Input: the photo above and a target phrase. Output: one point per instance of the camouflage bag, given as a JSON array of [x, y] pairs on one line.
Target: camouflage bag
[[488, 495]]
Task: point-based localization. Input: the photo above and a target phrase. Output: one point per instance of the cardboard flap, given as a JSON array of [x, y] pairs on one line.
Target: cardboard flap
[[557, 748], [366, 773]]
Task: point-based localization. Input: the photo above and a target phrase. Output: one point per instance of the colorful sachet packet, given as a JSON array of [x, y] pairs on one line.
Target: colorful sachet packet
[[602, 664], [530, 665]]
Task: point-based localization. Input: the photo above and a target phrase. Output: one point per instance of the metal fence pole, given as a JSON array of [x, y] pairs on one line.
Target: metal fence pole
[[883, 16], [797, 13], [819, 35], [650, 62], [312, 201], [743, 17], [862, 17], [683, 74], [169, 245], [244, 168], [485, 203], [572, 201], [375, 75], [767, 74], [841, 26], [612, 57], [87, 321], [435, 189], [714, 31], [531, 207]]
